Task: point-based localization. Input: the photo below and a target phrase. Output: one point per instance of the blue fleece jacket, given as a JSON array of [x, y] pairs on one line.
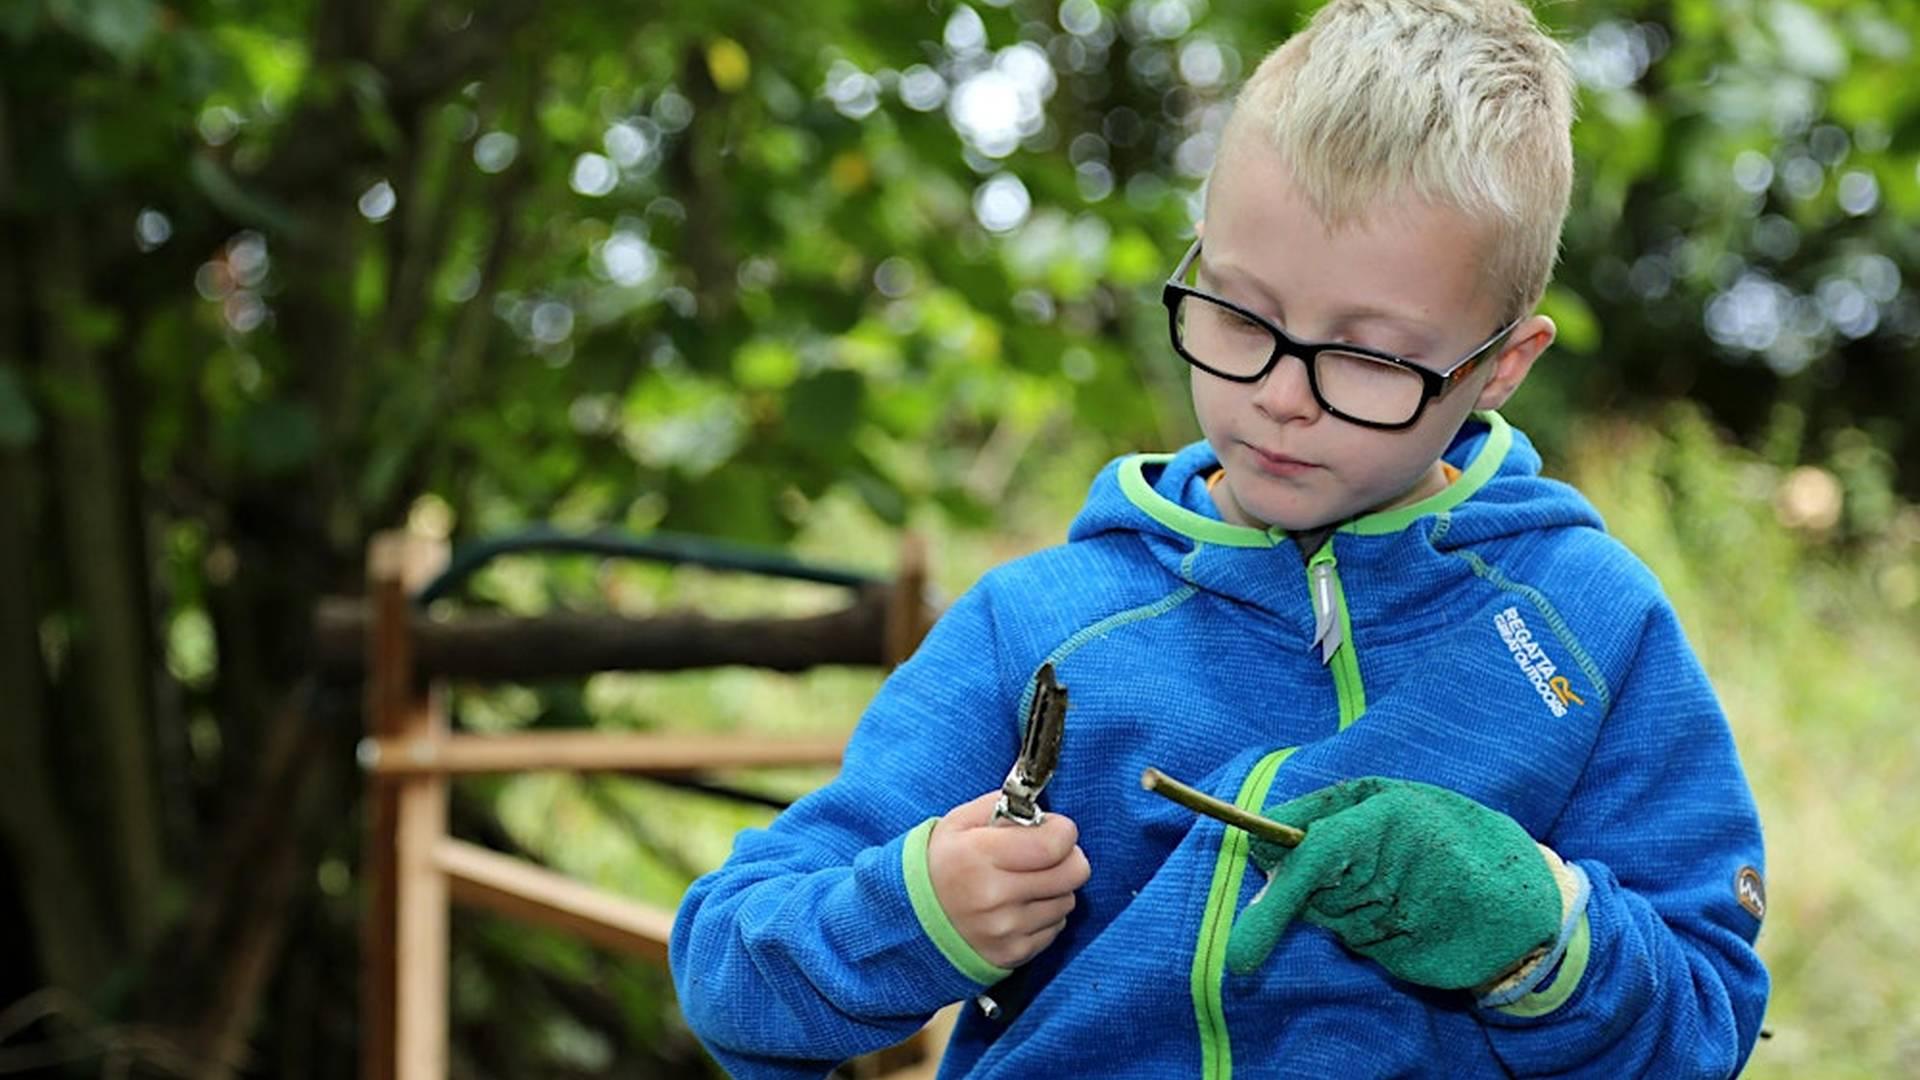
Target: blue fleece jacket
[[1491, 639]]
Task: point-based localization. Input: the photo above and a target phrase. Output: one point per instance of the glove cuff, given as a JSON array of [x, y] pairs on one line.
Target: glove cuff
[[1574, 890]]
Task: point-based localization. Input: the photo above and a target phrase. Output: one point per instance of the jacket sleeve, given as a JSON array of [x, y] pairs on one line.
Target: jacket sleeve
[[819, 939], [1660, 977]]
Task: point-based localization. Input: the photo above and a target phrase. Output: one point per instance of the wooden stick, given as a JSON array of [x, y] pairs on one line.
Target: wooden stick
[[1200, 802]]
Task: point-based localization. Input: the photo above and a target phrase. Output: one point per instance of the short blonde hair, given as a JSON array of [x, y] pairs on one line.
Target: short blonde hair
[[1466, 104]]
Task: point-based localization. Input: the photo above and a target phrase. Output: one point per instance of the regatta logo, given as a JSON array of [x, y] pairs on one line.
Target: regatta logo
[[1553, 687]]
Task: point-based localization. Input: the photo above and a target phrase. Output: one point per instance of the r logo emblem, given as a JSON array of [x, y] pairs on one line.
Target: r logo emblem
[[1751, 891]]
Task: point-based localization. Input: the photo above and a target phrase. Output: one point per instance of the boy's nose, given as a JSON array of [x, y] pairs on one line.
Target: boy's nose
[[1287, 392]]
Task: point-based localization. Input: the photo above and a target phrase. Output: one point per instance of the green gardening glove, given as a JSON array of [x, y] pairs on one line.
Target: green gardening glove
[[1435, 887]]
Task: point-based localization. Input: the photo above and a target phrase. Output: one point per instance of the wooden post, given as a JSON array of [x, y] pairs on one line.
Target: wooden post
[[909, 615], [403, 982]]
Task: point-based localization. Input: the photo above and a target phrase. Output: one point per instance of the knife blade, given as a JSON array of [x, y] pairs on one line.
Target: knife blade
[[1039, 752]]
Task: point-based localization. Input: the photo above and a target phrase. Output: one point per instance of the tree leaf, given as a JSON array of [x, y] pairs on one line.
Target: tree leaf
[[19, 423], [121, 27], [278, 437], [1579, 330], [254, 208], [765, 364], [20, 19], [728, 64], [825, 407]]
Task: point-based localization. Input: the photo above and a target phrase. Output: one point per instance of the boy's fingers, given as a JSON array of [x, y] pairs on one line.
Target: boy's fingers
[[1050, 911], [1062, 878], [1037, 886], [1033, 943], [1259, 927], [1018, 951], [973, 813], [1254, 935], [1024, 849]]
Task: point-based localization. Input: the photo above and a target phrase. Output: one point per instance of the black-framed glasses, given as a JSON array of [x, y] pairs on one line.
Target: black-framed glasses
[[1359, 385]]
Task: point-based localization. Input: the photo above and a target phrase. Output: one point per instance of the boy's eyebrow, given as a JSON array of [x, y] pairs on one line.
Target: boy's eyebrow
[[1422, 331], [1343, 319], [1209, 268]]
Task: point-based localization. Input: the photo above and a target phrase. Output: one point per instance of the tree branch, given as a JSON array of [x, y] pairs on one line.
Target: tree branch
[[237, 927], [67, 930], [107, 579]]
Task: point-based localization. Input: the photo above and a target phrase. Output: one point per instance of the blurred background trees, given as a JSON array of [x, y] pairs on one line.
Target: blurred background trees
[[276, 275]]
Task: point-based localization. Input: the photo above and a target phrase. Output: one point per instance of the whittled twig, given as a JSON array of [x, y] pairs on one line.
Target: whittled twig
[[1200, 802]]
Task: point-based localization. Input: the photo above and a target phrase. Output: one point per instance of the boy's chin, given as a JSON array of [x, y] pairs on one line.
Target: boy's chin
[[1288, 516], [1298, 519]]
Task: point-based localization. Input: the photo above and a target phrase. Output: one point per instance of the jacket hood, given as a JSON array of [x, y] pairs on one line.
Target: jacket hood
[[1162, 498]]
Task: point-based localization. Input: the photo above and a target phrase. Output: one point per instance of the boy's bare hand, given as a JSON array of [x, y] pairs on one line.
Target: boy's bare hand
[[1008, 888]]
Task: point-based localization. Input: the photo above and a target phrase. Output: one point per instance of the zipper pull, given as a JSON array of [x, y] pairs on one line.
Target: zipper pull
[[1326, 615]]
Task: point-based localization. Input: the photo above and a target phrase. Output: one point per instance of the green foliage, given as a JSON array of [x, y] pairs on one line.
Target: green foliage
[[763, 271], [19, 424]]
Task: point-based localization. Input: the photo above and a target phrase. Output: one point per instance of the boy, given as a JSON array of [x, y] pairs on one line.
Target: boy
[[1529, 844]]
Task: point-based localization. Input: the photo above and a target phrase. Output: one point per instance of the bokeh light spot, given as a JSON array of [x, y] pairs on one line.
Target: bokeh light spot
[[377, 202], [1002, 203], [494, 152], [593, 175]]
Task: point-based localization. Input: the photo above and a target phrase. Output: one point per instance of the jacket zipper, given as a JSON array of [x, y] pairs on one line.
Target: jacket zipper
[[1333, 636], [1223, 898], [1333, 633]]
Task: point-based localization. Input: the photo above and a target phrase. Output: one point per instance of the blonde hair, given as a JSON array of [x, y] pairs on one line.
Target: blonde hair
[[1465, 104]]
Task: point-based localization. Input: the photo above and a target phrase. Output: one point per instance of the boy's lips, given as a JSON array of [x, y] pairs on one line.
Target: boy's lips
[[1279, 464]]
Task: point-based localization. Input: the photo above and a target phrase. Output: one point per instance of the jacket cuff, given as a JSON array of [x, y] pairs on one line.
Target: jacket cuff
[[933, 918], [1554, 979]]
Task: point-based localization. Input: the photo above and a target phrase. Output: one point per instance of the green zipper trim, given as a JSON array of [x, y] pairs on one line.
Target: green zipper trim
[[1223, 897], [1345, 662], [1133, 484]]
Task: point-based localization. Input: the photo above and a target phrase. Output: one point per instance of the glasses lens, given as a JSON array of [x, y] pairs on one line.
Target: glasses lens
[[1369, 389], [1220, 338]]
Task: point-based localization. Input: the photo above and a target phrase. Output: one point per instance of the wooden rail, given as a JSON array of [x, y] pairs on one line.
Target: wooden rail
[[643, 754], [414, 869], [515, 888], [507, 648]]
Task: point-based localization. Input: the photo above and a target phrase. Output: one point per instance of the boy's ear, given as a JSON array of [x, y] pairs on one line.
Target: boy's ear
[[1515, 359]]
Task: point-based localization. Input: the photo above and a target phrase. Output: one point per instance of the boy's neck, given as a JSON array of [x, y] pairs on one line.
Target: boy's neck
[[1432, 482]]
